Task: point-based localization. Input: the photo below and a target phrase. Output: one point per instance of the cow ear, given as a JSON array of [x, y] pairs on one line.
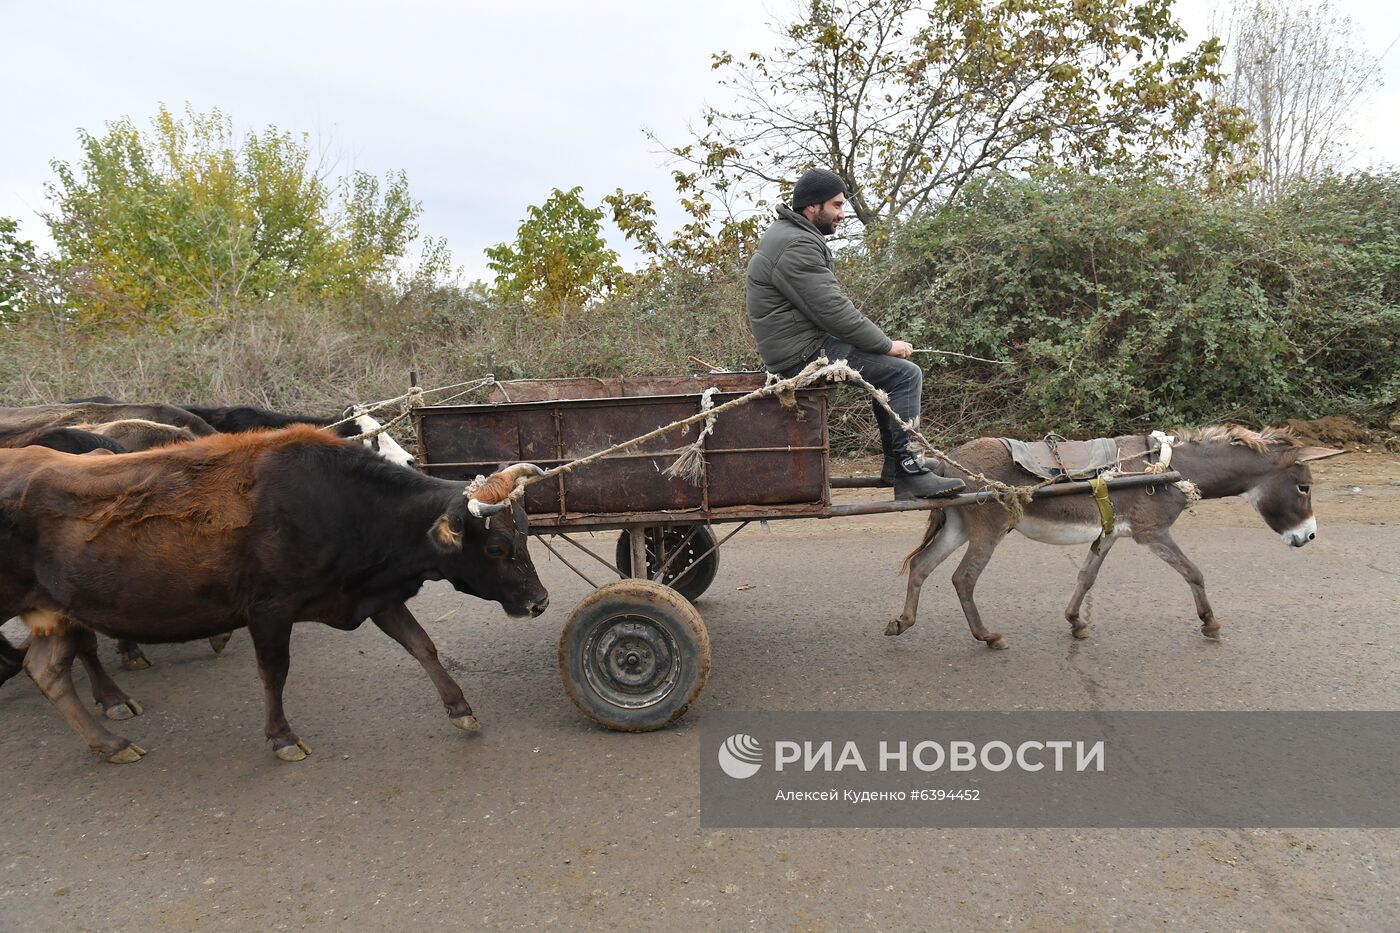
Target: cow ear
[[1317, 453], [446, 533]]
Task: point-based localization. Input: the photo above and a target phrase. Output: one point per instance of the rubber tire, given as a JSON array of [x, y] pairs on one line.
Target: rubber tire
[[694, 584], [664, 607]]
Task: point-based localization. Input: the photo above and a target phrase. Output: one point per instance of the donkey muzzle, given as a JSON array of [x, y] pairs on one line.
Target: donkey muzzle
[[1301, 535]]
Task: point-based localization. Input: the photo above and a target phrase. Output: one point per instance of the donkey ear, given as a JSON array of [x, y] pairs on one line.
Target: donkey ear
[[1317, 453]]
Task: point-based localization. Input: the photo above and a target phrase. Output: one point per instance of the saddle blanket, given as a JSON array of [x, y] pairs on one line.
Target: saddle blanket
[[1076, 459]]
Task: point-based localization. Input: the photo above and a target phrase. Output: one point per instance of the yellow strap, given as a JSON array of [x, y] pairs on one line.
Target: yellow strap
[[1100, 488]]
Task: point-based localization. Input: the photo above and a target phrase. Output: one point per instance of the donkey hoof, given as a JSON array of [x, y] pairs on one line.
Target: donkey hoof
[[220, 642], [135, 662], [1211, 631], [296, 752], [123, 711], [1081, 632], [997, 642], [467, 723], [127, 755], [898, 627]]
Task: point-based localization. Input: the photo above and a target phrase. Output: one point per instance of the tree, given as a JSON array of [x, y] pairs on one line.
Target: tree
[[909, 101], [191, 218], [18, 263], [709, 244], [559, 260], [1298, 72]]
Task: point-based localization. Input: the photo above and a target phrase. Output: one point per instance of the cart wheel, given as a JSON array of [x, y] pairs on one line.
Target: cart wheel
[[693, 584], [634, 655]]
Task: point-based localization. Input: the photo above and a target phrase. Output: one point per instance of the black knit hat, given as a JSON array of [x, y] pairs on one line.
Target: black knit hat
[[816, 186]]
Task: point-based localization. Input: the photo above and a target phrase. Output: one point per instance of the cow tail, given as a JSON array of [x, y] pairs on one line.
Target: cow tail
[[936, 518]]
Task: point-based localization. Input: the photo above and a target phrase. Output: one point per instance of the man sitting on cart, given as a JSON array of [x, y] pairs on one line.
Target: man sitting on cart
[[797, 312]]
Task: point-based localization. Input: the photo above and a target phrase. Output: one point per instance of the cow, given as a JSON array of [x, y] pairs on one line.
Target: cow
[[76, 413], [105, 692], [144, 426], [257, 530], [61, 438], [117, 437], [140, 434], [355, 422]]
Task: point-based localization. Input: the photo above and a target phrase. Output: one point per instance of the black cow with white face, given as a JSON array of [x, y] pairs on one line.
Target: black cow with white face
[[356, 422]]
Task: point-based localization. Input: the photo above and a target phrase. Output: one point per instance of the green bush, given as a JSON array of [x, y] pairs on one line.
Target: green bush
[[1126, 306]]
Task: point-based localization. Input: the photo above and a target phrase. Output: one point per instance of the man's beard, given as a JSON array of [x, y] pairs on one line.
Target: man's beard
[[825, 225]]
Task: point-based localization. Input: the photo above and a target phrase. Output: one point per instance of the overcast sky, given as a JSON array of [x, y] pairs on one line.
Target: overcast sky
[[486, 106]]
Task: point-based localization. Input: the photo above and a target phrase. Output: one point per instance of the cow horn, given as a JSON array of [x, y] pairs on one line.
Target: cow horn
[[486, 509], [517, 472], [492, 495]]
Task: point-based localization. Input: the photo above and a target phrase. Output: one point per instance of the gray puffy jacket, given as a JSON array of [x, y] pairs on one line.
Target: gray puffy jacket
[[794, 300]]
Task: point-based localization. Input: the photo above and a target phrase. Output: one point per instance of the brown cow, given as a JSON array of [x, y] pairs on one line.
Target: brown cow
[[140, 434], [118, 437], [258, 530]]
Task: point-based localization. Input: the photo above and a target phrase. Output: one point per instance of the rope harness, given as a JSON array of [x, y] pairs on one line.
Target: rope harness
[[413, 398]]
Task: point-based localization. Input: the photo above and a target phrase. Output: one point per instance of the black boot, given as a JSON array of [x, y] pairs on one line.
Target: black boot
[[890, 469], [914, 478]]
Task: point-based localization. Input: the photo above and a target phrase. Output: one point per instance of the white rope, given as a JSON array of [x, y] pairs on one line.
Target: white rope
[[690, 465], [1164, 459], [1012, 498], [413, 398]]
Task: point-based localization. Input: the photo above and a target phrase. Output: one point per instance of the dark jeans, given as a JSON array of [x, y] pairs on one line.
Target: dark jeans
[[903, 380]]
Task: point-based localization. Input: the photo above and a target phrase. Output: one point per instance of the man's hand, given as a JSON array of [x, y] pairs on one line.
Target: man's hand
[[901, 349]]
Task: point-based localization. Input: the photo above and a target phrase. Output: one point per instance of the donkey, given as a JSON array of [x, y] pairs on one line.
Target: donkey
[[1268, 468]]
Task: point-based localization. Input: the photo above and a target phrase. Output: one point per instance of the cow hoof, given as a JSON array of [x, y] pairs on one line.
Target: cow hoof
[[127, 755], [297, 752], [135, 662], [220, 642], [467, 723], [122, 711], [897, 627], [998, 643]]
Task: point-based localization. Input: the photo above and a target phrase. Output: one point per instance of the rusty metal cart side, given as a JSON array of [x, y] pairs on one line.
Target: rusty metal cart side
[[634, 655]]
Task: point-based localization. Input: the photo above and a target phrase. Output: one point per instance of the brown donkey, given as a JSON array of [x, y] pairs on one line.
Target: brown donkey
[[1268, 468]]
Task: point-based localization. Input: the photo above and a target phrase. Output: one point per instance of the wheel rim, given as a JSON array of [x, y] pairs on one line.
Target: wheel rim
[[679, 565], [699, 545], [631, 661]]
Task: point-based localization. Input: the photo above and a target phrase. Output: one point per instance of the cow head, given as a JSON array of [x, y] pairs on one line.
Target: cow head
[[481, 541], [382, 444]]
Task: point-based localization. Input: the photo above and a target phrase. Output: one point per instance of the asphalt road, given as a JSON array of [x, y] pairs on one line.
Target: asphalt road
[[399, 821]]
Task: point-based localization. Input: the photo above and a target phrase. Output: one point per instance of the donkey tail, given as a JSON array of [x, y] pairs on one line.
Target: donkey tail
[[936, 520]]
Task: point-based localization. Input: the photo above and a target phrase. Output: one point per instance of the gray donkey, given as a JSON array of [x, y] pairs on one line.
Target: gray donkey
[[1268, 468]]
